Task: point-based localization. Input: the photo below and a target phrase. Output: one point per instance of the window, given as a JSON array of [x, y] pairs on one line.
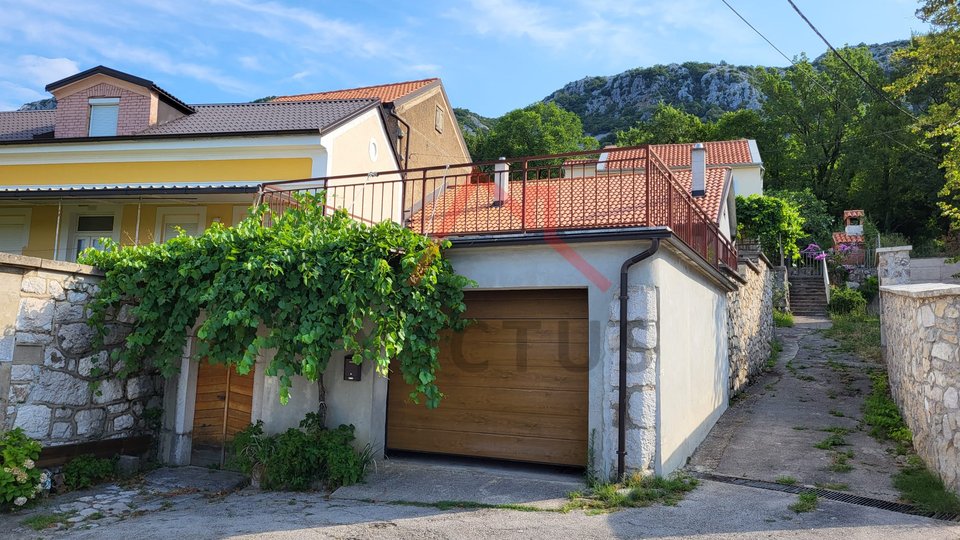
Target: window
[[90, 232], [438, 120], [104, 115], [14, 230], [171, 220]]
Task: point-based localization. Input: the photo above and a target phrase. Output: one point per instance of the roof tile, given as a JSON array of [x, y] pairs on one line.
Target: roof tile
[[25, 125], [386, 93]]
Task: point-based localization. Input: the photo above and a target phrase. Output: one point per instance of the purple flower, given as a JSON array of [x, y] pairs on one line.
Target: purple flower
[[844, 248], [820, 257], [812, 248]]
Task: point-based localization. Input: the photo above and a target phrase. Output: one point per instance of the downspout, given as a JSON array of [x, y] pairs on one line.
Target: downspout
[[622, 390], [56, 234], [406, 152]]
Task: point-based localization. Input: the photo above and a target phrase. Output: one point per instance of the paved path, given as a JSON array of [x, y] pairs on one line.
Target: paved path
[[772, 429]]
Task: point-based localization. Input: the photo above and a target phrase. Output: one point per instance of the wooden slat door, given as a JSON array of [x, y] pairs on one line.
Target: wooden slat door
[[223, 407], [514, 383]]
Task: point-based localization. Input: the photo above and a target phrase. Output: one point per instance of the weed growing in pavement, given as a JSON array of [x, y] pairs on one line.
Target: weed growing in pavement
[[635, 491], [775, 349], [837, 413], [840, 462], [782, 319], [40, 522], [786, 480], [833, 440], [835, 486], [882, 415], [858, 334], [925, 489], [806, 502]]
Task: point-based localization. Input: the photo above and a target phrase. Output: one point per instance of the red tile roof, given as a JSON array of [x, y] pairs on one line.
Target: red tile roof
[[736, 152], [844, 238], [559, 203], [386, 93], [852, 213]]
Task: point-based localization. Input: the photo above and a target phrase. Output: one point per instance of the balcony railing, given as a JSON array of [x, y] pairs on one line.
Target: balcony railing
[[560, 192]]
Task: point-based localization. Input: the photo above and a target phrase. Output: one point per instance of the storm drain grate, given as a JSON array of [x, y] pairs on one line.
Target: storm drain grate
[[828, 494]]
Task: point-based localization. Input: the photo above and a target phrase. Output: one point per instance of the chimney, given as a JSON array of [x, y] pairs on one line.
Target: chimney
[[501, 179], [698, 169]]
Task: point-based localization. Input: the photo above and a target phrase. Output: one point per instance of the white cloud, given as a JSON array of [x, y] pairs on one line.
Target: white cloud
[[40, 70], [251, 63]]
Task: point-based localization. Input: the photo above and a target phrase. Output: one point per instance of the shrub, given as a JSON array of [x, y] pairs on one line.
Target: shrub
[[20, 480], [87, 470], [870, 288], [844, 301], [782, 319], [296, 458]]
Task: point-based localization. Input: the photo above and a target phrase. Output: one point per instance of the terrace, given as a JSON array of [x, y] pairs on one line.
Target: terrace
[[537, 195]]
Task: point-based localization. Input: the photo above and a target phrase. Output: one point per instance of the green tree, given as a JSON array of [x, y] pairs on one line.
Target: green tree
[[818, 222], [667, 125], [773, 221], [815, 108], [541, 128], [934, 68]]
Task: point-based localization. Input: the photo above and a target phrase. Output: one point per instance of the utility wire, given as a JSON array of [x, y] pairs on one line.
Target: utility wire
[[820, 86], [859, 75]]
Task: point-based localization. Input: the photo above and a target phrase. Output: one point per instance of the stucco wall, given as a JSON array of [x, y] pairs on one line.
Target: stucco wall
[[48, 362], [750, 320], [933, 270], [748, 181], [920, 324], [428, 147]]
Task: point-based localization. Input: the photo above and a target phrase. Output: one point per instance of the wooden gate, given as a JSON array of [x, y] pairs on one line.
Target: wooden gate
[[224, 406]]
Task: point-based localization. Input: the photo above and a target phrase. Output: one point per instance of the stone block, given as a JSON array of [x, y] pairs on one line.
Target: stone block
[[642, 336], [53, 358], [109, 390], [33, 285], [942, 351], [138, 387], [35, 315], [950, 398], [66, 312], [641, 448], [28, 353], [34, 419], [927, 318], [60, 388], [56, 290], [89, 422], [118, 407], [87, 364], [19, 393], [77, 297], [123, 422], [61, 430], [128, 465], [76, 338], [641, 305], [125, 315], [7, 343], [33, 337], [62, 413], [642, 407]]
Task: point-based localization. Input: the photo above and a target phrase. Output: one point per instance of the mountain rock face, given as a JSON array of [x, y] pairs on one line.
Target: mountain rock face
[[40, 105]]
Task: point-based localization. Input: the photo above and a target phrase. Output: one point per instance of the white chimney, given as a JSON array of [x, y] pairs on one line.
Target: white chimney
[[501, 179], [698, 164]]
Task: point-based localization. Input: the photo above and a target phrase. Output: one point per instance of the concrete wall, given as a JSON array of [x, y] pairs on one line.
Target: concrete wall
[[48, 362], [920, 323], [694, 372], [933, 270], [750, 319], [747, 181]]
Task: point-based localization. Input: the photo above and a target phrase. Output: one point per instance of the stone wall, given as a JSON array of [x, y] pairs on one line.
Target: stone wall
[[641, 421], [920, 327], [781, 288], [750, 323], [48, 365]]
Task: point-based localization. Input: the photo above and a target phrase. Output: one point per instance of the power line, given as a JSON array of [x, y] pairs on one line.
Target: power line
[[859, 75], [817, 83]]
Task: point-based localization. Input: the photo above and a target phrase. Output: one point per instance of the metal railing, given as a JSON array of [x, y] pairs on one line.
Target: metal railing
[[534, 194]]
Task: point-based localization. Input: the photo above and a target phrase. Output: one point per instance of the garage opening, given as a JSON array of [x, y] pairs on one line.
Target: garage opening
[[514, 383]]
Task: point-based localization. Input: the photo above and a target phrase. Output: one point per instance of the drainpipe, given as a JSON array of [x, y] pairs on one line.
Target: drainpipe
[[56, 234], [622, 390], [406, 153]]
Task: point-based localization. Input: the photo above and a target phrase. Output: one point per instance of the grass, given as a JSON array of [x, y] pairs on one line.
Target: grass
[[838, 414], [840, 463], [806, 378], [782, 319], [636, 491], [835, 486], [925, 489], [786, 480], [858, 334], [833, 440], [806, 502], [882, 415], [41, 522], [800, 428], [775, 349]]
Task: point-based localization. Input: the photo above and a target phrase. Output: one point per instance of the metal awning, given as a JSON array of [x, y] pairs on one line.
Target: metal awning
[[108, 190]]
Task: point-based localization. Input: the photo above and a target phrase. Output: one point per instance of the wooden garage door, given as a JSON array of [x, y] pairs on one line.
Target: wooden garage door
[[514, 383], [223, 407]]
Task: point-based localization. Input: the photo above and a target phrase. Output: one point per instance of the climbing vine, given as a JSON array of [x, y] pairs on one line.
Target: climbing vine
[[304, 286]]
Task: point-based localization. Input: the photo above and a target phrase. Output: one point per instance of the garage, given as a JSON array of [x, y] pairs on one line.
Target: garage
[[514, 382]]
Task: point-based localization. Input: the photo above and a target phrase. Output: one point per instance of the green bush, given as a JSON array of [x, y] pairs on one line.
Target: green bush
[[294, 459], [782, 319], [87, 470], [870, 288], [844, 301], [20, 480]]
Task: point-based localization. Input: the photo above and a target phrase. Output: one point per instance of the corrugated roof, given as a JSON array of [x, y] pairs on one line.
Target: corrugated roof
[[386, 93], [558, 203], [25, 125], [261, 117], [242, 187]]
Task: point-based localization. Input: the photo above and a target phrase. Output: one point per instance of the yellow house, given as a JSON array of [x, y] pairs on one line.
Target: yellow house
[[120, 157]]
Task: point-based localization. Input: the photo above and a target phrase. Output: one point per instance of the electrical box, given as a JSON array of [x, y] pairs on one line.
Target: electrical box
[[351, 371]]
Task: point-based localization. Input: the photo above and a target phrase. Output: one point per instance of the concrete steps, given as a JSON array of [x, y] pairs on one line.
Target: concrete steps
[[807, 296]]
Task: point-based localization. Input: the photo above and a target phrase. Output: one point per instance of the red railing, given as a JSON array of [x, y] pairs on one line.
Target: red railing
[[630, 187]]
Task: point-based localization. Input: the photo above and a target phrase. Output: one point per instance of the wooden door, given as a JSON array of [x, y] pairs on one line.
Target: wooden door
[[224, 406], [514, 383]]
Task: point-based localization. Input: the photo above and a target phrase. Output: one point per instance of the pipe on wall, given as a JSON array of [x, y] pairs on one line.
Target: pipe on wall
[[622, 390]]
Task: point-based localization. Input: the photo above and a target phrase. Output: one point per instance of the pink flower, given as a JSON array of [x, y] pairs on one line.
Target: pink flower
[[820, 257]]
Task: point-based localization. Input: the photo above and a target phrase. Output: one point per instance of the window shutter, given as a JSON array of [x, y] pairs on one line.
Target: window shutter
[[104, 115]]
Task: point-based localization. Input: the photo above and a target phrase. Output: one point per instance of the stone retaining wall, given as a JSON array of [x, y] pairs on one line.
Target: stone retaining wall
[[750, 323], [48, 365], [920, 325]]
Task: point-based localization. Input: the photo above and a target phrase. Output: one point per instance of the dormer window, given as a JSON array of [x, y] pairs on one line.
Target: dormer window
[[104, 115]]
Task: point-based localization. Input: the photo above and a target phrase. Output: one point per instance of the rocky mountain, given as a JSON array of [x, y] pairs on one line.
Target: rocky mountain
[[39, 105], [610, 103], [471, 122]]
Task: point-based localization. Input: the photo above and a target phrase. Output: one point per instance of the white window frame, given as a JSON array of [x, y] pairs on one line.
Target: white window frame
[[164, 211], [103, 103], [23, 214], [73, 217]]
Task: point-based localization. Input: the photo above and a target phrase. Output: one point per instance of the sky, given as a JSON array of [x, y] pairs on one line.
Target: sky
[[492, 55]]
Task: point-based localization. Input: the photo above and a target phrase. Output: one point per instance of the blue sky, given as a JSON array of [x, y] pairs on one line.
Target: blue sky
[[493, 55]]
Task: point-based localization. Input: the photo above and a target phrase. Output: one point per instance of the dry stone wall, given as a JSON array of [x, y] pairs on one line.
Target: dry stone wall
[[48, 363], [920, 323], [750, 323]]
